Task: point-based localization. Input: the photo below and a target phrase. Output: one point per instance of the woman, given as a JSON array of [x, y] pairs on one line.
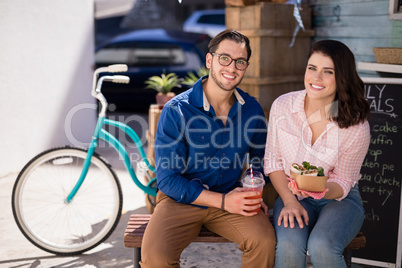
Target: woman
[[325, 125]]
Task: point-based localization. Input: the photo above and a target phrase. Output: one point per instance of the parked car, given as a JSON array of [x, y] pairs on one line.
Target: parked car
[[147, 53], [209, 21]]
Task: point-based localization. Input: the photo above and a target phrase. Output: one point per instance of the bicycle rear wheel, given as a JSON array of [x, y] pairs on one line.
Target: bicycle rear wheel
[[50, 223]]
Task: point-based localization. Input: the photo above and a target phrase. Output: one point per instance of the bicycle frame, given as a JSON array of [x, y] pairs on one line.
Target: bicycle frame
[[101, 133]]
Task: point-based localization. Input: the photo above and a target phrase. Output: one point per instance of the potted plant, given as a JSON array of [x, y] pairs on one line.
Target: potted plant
[[192, 77], [164, 84]]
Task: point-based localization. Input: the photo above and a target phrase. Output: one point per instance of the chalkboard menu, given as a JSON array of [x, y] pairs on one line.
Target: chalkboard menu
[[380, 185]]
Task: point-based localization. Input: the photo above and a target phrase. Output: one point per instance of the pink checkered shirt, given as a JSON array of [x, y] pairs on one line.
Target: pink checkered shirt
[[339, 151]]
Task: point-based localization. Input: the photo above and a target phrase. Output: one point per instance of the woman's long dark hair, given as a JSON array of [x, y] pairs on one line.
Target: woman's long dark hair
[[351, 107]]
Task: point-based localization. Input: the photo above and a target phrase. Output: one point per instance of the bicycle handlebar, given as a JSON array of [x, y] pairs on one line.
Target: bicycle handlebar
[[122, 79], [103, 134], [115, 68], [97, 84]]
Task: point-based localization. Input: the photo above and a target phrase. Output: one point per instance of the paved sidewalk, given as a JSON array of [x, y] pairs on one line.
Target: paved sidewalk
[[17, 251]]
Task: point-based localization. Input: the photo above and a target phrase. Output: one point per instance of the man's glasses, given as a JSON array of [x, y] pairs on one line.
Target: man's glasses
[[225, 60]]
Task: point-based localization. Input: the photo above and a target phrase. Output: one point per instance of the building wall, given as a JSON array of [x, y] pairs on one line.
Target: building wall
[[186, 8], [46, 49], [360, 24]]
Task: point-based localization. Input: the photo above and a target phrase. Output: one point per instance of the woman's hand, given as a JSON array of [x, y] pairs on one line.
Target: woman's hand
[[293, 211], [295, 191]]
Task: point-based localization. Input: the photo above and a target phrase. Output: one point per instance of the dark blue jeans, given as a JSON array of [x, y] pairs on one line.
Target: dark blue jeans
[[332, 226]]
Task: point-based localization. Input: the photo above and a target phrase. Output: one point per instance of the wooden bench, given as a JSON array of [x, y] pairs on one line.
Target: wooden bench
[[138, 222]]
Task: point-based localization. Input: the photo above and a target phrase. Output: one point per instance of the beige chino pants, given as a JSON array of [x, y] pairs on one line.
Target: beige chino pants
[[173, 226]]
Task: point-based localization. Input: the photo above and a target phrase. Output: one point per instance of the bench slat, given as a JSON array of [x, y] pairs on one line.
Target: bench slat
[[358, 242], [138, 222]]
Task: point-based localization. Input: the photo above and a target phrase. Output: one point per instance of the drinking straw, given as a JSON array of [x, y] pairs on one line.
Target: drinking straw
[[251, 174]]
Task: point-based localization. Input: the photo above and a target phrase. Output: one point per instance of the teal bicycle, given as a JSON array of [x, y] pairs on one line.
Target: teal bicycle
[[68, 200]]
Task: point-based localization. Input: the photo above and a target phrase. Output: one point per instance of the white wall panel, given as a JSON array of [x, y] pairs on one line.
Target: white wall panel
[[46, 58]]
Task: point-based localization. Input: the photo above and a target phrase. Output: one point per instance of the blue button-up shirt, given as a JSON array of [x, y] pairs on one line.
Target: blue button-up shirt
[[194, 150]]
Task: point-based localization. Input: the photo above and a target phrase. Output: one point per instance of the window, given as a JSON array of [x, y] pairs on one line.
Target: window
[[141, 55], [395, 9], [157, 55], [112, 55], [212, 19]]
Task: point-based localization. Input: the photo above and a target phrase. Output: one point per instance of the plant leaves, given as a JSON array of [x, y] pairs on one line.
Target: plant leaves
[[192, 77], [320, 171], [306, 165], [164, 83]]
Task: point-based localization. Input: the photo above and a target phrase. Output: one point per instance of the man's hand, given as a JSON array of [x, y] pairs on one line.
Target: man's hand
[[236, 202], [264, 208]]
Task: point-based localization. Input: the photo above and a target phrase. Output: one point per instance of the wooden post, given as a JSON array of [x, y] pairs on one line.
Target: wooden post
[[242, 3], [153, 118], [274, 67]]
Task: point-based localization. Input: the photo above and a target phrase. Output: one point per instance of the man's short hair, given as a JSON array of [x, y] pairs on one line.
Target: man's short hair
[[229, 34]]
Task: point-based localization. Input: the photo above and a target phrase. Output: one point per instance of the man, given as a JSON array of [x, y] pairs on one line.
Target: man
[[203, 139]]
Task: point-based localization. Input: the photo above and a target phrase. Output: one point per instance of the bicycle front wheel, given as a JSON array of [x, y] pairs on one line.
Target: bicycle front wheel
[[54, 225]]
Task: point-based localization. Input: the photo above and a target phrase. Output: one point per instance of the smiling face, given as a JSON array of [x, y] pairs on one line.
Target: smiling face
[[227, 77], [319, 78]]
